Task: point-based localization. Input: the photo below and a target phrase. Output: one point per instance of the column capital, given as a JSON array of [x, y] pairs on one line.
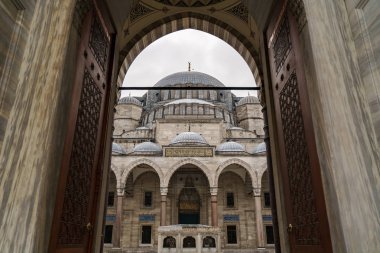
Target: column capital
[[257, 192], [164, 191], [120, 192], [214, 191]]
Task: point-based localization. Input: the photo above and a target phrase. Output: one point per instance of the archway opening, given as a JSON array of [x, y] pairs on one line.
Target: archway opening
[[189, 203], [189, 195]]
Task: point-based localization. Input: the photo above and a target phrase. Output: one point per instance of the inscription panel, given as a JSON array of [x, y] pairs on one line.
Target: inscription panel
[[189, 152]]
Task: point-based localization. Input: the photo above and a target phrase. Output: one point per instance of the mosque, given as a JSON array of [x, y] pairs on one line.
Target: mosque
[[188, 171], [185, 170]]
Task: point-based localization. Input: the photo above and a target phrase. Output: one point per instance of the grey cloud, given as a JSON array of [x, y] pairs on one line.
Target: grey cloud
[[206, 53]]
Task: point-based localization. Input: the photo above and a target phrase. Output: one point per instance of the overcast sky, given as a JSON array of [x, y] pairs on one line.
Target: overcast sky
[[171, 53]]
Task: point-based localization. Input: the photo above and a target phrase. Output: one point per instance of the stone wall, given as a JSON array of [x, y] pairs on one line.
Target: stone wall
[[15, 19], [364, 18]]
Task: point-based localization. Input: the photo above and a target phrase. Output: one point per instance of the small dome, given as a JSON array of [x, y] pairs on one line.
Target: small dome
[[189, 77], [147, 147], [261, 148], [130, 100], [116, 148], [189, 101], [248, 100], [230, 146], [189, 138]]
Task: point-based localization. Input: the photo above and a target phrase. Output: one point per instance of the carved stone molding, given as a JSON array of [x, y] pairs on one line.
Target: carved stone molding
[[138, 11], [189, 3], [239, 11]]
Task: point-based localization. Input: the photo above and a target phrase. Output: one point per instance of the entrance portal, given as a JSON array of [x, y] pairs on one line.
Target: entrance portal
[[189, 204]]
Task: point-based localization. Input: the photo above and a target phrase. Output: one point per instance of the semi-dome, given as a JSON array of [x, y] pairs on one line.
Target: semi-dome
[[130, 100], [147, 147], [261, 148], [186, 77], [248, 100], [116, 148], [189, 138], [230, 146], [189, 101]]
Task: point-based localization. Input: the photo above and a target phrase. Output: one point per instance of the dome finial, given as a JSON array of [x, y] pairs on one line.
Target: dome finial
[[189, 68]]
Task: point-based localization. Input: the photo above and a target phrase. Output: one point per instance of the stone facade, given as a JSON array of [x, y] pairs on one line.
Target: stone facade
[[188, 140]]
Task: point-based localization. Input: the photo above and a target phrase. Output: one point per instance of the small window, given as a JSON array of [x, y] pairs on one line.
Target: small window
[[111, 198], [209, 242], [169, 242], [189, 242], [230, 199], [146, 235], [148, 199], [269, 233], [266, 199], [231, 235], [108, 234]]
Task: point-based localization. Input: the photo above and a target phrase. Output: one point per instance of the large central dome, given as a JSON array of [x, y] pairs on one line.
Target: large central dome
[[189, 77]]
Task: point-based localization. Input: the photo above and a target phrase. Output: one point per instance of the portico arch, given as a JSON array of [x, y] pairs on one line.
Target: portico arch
[[117, 172], [241, 163], [186, 161], [128, 169]]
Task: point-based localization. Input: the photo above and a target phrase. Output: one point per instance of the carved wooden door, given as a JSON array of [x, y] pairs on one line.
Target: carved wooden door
[[81, 171], [308, 228]]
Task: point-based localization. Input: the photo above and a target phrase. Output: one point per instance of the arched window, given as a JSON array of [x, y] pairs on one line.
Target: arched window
[[189, 242], [169, 242], [209, 242]]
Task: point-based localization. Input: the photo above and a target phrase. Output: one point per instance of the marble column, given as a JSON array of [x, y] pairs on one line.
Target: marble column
[[259, 218], [160, 244], [119, 213], [164, 193], [214, 206], [199, 243], [179, 243]]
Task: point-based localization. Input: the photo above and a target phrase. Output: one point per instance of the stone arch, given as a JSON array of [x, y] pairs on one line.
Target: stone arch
[[192, 161], [189, 20], [240, 162], [119, 183], [262, 169], [127, 170]]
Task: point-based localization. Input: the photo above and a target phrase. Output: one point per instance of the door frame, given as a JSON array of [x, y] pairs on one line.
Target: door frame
[[103, 152], [273, 155]]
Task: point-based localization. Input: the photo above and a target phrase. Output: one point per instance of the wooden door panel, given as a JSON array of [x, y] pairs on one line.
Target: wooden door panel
[[81, 166], [300, 171]]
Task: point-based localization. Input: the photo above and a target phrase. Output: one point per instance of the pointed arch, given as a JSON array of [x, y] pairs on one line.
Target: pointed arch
[[253, 173], [183, 162], [117, 171], [128, 168], [245, 47]]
